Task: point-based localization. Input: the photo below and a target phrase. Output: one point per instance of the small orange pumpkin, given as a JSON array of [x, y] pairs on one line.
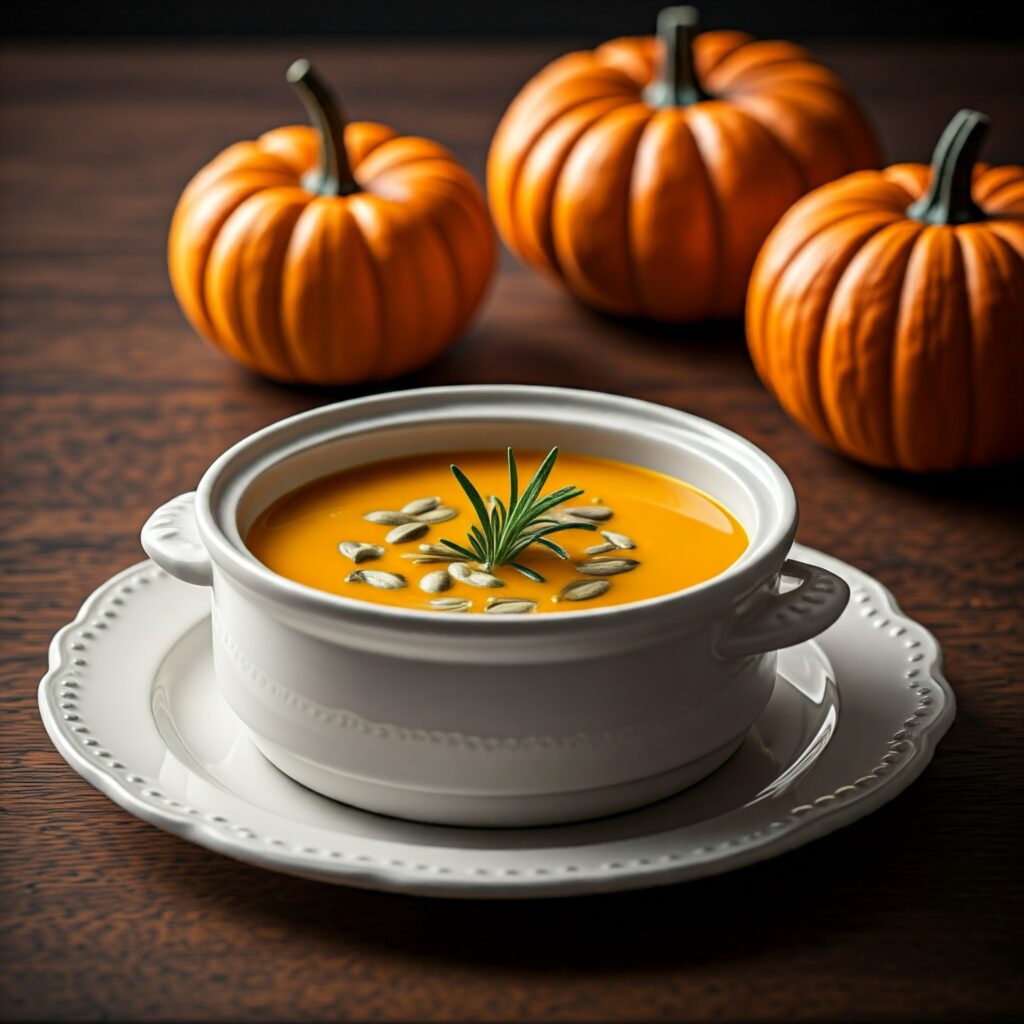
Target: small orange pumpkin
[[645, 174], [331, 255], [886, 310]]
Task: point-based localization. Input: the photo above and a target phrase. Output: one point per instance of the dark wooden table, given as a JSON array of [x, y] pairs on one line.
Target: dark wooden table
[[110, 406]]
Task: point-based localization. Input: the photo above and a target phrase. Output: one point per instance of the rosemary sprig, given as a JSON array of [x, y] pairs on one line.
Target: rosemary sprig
[[506, 530]]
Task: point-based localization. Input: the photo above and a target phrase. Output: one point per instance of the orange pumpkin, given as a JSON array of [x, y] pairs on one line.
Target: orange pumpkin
[[645, 174], [331, 255], [886, 310]]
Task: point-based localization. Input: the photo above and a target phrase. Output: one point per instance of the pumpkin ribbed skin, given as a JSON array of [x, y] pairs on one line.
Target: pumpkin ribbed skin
[[331, 289], [897, 342], [655, 211]]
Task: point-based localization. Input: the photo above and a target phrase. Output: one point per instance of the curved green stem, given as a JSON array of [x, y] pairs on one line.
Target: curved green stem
[[334, 175], [676, 84], [948, 199]]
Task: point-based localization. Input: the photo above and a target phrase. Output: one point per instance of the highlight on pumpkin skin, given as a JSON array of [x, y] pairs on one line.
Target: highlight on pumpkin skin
[[407, 533], [331, 253], [645, 174], [886, 310]]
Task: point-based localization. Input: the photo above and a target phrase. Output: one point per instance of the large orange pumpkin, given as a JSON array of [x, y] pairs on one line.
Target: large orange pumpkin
[[645, 174], [331, 255], [886, 310]]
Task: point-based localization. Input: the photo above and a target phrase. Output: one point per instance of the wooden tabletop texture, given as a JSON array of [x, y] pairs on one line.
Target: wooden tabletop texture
[[111, 405]]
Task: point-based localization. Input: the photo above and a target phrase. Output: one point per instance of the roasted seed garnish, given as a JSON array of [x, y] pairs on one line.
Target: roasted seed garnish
[[482, 579], [443, 551], [406, 532], [441, 514], [600, 549], [360, 552], [420, 505], [432, 553], [607, 566], [582, 590], [452, 604], [619, 540], [509, 606], [436, 582], [380, 580], [459, 571], [562, 516], [387, 518], [596, 512]]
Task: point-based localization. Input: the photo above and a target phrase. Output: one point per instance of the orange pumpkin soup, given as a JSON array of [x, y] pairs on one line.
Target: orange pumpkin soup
[[381, 533]]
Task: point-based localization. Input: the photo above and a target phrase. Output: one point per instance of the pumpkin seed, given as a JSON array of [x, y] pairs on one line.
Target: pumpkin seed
[[492, 503], [582, 590], [420, 505], [483, 579], [563, 516], [443, 551], [452, 604], [619, 540], [358, 552], [420, 559], [441, 514], [380, 580], [459, 571], [600, 549], [598, 513], [386, 518], [607, 566], [509, 606], [436, 582], [406, 532]]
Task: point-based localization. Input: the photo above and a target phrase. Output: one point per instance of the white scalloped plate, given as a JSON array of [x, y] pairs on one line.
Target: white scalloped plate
[[131, 703]]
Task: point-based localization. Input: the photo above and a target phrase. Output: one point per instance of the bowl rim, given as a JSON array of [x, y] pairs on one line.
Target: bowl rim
[[742, 577]]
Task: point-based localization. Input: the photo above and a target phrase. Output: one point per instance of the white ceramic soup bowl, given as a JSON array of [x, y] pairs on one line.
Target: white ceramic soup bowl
[[495, 720]]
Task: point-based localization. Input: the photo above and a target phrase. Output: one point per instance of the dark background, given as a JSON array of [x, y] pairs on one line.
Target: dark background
[[797, 19]]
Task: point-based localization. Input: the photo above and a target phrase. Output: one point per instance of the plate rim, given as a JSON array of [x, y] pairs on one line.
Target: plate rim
[[801, 825]]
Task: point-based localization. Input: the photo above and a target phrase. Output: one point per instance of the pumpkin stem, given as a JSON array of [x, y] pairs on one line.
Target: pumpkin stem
[[948, 199], [334, 175], [676, 83]]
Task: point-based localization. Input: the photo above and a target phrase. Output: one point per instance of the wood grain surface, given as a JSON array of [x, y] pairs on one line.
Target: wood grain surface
[[111, 405]]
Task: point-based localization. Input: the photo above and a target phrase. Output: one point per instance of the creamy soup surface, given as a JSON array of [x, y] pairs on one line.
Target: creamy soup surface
[[682, 536]]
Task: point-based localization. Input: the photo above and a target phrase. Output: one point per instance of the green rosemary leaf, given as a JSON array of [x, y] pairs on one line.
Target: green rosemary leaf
[[513, 482], [540, 478], [522, 544], [557, 548], [559, 527], [514, 550], [458, 547], [548, 503], [476, 534], [472, 493], [504, 530], [528, 510], [536, 536], [504, 511], [527, 572]]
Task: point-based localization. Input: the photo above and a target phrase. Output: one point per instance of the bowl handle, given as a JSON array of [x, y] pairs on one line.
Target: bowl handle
[[171, 538], [791, 618]]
